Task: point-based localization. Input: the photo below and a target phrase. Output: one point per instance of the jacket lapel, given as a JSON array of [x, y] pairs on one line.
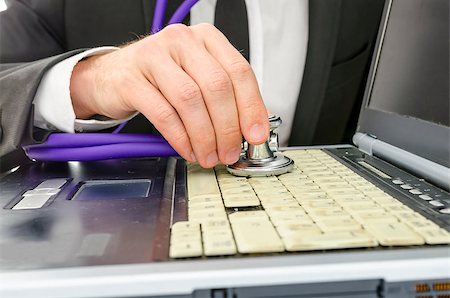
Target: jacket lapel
[[324, 16]]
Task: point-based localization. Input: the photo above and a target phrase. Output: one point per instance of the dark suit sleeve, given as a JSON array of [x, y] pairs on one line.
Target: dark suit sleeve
[[31, 41]]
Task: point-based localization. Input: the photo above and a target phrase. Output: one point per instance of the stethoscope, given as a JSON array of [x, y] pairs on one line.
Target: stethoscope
[[100, 146], [255, 160]]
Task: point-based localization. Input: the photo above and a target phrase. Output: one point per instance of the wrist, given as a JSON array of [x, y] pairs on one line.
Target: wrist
[[82, 88]]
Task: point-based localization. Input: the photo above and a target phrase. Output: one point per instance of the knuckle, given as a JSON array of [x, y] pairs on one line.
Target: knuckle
[[189, 94], [240, 68], [231, 131], [177, 31], [165, 116], [219, 82], [181, 138], [206, 27]]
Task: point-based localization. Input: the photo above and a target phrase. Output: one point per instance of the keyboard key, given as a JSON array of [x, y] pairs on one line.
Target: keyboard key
[[439, 236], [436, 203], [183, 226], [219, 246], [186, 249], [297, 229], [445, 211], [426, 197], [330, 240], [415, 191], [338, 225], [215, 224], [247, 215], [393, 234], [406, 186], [374, 217], [185, 240], [202, 183], [290, 217], [421, 225], [241, 201], [256, 236]]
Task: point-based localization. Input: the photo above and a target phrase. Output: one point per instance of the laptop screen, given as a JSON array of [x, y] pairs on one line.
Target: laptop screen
[[407, 99]]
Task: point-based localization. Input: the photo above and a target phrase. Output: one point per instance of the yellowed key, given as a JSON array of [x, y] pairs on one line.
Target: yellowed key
[[385, 200], [374, 216], [238, 190], [205, 199], [399, 208], [215, 224], [338, 225], [341, 191], [409, 216], [219, 246], [216, 213], [290, 218], [202, 183], [344, 196], [297, 229], [232, 201], [363, 207], [257, 236], [225, 233], [421, 225], [439, 236], [274, 196], [352, 200], [330, 240], [185, 249], [182, 226], [247, 215], [323, 204], [185, 236], [328, 213], [394, 234], [206, 206], [204, 216]]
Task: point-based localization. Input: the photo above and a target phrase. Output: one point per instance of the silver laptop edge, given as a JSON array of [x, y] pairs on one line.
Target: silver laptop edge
[[431, 171]]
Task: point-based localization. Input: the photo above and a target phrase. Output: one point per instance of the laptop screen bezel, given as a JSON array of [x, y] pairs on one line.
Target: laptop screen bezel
[[423, 138]]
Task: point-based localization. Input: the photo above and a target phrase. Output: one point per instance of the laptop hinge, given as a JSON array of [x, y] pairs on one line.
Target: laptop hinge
[[414, 164], [364, 142]]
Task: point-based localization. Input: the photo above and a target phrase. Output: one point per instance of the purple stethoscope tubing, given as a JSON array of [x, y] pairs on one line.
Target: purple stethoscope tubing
[[100, 146]]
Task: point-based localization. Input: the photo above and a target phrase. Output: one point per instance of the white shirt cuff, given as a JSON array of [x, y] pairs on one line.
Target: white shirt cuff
[[53, 108]]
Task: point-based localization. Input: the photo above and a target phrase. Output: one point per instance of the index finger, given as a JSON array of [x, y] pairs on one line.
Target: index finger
[[252, 112]]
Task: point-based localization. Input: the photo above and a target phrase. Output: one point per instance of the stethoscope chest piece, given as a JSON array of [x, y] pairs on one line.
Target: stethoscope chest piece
[[262, 160]]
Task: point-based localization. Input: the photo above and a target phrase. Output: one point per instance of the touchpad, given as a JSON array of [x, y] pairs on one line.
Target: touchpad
[[113, 189]]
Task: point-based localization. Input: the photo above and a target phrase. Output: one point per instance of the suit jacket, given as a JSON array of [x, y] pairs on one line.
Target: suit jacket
[[36, 34]]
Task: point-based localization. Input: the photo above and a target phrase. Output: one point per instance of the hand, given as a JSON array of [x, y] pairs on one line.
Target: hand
[[191, 84]]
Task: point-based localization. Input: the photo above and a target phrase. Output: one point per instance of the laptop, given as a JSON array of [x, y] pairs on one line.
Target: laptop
[[370, 220]]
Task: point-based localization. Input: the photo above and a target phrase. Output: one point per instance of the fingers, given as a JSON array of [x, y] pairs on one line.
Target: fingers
[[185, 96], [149, 101], [251, 110], [218, 94], [210, 88]]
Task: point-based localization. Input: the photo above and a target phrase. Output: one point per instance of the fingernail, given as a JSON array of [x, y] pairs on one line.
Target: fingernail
[[193, 158], [232, 156], [212, 159], [257, 133]]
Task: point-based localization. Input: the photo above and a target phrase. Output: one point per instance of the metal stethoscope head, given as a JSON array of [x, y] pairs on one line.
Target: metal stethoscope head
[[263, 159]]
